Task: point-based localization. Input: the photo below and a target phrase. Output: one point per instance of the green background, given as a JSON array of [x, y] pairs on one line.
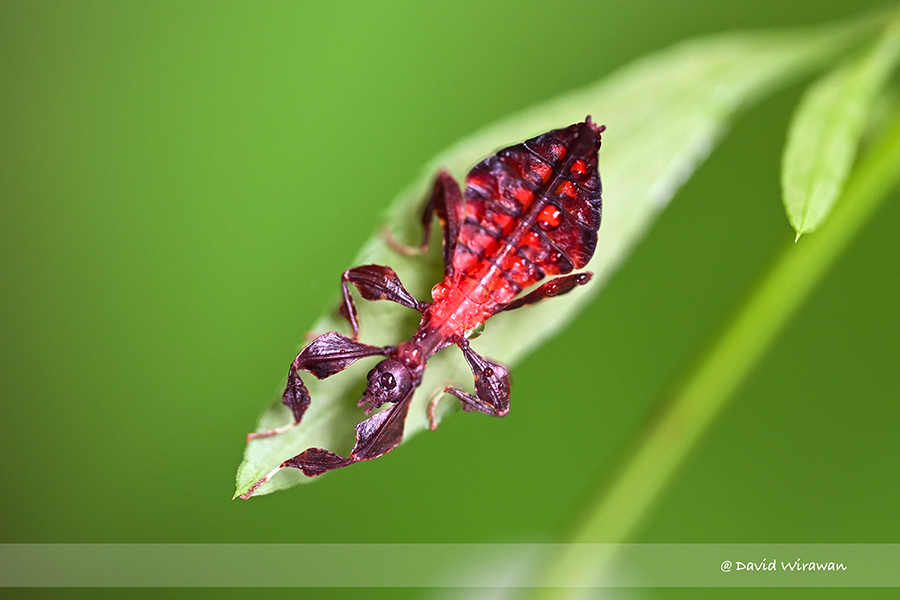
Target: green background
[[182, 184]]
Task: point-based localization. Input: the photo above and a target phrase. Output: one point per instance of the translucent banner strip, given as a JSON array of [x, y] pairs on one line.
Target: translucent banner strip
[[447, 565]]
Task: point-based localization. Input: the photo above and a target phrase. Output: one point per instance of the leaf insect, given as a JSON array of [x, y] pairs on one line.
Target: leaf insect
[[529, 211]]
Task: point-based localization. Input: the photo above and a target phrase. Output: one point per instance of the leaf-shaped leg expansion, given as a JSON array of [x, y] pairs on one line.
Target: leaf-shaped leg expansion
[[376, 436], [326, 355], [374, 282], [491, 387]]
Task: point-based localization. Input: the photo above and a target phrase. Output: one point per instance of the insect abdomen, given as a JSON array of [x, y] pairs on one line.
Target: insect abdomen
[[531, 210]]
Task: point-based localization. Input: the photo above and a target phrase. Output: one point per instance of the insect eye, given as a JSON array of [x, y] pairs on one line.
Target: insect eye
[[387, 381]]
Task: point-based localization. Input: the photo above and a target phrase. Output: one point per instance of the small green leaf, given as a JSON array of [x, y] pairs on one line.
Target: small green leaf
[[663, 115], [825, 132]]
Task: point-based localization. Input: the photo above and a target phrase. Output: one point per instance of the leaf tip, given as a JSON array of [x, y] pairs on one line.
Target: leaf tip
[[797, 238], [252, 489]]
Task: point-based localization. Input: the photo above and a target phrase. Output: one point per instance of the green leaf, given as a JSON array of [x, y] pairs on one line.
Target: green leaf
[[826, 129], [663, 115]]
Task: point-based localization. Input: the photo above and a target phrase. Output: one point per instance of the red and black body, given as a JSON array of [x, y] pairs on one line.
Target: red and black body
[[530, 211]]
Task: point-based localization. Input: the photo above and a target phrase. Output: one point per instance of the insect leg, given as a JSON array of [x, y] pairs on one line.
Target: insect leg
[[491, 385], [376, 436], [326, 355], [374, 282], [555, 287], [446, 201]]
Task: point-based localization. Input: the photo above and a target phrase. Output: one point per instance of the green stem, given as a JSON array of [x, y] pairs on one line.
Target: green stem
[[726, 365]]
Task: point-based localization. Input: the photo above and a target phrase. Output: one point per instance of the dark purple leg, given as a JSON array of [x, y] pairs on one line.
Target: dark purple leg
[[491, 385], [555, 287], [376, 436], [446, 201], [326, 355], [374, 282]]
